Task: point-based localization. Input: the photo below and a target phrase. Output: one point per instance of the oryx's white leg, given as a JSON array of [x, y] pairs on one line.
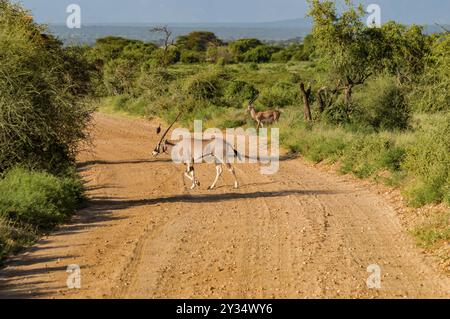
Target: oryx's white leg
[[232, 171], [194, 181], [190, 174], [219, 172]]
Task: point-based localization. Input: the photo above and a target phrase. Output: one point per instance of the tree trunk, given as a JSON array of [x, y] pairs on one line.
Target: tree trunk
[[321, 100], [348, 95], [307, 106]]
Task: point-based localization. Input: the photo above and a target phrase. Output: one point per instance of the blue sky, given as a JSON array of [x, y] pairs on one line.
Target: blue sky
[[148, 11]]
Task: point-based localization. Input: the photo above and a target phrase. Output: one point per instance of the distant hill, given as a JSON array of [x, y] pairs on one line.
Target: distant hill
[[267, 31]]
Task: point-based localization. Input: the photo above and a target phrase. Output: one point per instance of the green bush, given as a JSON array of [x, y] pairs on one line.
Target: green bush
[[295, 52], [318, 148], [110, 48], [382, 105], [189, 57], [138, 51], [280, 95], [164, 58], [434, 231], [253, 66], [14, 236], [152, 83], [237, 92], [198, 41], [43, 116], [336, 114], [432, 93], [37, 198], [282, 56], [219, 54], [120, 76], [242, 46], [260, 54], [367, 154], [206, 85], [428, 160]]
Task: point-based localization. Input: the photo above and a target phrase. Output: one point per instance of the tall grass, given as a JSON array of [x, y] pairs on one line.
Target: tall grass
[[32, 202]]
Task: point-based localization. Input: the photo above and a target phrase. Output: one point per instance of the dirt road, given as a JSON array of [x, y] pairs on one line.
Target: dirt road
[[301, 233]]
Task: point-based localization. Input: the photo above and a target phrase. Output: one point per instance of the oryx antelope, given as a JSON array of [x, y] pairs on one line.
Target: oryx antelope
[[215, 148], [267, 117]]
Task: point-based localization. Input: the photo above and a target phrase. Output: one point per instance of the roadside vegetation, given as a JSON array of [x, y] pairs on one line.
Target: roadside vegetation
[[43, 117]]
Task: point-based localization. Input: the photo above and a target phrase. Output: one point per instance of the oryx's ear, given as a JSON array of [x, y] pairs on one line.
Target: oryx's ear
[[158, 130]]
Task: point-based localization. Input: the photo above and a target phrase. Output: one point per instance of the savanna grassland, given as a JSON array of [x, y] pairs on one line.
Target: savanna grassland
[[376, 102]]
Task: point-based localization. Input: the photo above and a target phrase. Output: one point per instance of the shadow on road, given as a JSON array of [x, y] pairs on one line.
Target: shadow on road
[[119, 204], [87, 164]]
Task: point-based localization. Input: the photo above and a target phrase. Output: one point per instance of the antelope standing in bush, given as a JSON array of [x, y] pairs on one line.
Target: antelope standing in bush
[[215, 148], [267, 117]]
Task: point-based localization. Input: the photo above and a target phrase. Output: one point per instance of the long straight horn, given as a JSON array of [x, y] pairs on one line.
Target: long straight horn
[[167, 131], [254, 99]]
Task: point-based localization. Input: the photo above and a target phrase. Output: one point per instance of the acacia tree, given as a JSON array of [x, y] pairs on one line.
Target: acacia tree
[[432, 92], [168, 41], [404, 50], [346, 46]]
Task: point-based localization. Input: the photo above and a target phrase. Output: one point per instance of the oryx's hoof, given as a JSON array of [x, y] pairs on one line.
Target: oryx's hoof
[[210, 188]]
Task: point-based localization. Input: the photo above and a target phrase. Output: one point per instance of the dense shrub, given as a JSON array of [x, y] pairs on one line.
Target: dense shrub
[[219, 54], [434, 232], [336, 114], [139, 52], [365, 155], [428, 159], [282, 56], [120, 75], [152, 83], [260, 54], [42, 116], [110, 48], [382, 105], [197, 41], [38, 199], [242, 46], [432, 94], [188, 56], [295, 52], [14, 236], [280, 95], [162, 58], [237, 92], [206, 85]]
